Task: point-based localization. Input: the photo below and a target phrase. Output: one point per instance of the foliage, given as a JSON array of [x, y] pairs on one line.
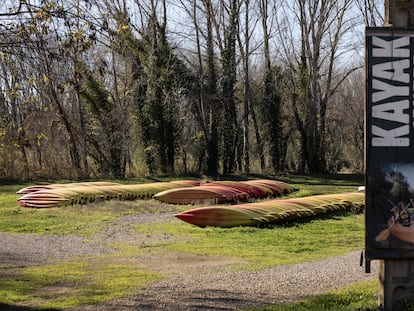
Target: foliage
[[161, 81], [271, 106], [312, 75], [105, 129], [91, 89]]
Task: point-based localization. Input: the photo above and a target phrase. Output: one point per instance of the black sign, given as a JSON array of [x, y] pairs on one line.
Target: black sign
[[389, 143]]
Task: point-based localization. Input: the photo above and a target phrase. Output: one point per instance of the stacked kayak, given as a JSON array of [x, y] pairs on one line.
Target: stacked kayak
[[35, 188], [174, 192], [80, 193], [271, 211], [219, 192], [202, 194]]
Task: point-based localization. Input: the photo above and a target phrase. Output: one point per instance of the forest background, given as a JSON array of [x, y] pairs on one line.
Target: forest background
[[123, 88]]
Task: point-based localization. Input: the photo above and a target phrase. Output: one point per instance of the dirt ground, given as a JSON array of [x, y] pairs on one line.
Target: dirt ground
[[191, 282]]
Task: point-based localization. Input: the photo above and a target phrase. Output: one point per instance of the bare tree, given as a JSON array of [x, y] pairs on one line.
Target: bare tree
[[78, 77], [313, 70], [271, 102], [246, 95], [42, 35], [371, 11], [206, 103], [247, 27], [347, 113]]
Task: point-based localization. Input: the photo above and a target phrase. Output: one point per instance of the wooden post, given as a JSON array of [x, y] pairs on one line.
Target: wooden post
[[399, 13], [396, 288]]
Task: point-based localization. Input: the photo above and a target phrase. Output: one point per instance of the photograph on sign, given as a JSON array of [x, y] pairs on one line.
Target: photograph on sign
[[398, 181], [389, 143]]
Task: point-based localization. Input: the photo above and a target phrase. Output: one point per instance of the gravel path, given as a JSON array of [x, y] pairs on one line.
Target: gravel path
[[214, 289], [192, 282]]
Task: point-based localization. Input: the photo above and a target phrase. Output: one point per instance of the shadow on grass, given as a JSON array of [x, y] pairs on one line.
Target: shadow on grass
[[304, 220], [321, 179], [7, 307], [352, 301]]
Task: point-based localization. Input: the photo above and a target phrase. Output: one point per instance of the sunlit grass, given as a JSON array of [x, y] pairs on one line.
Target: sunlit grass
[[357, 297], [265, 247], [311, 185], [53, 221], [73, 283], [73, 219]]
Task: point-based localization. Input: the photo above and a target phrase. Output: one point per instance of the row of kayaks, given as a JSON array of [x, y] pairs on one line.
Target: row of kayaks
[[54, 195], [271, 211], [219, 192], [250, 203], [174, 192]]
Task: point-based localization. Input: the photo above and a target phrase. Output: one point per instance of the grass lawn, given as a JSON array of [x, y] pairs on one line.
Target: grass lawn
[[359, 296], [333, 235], [84, 280]]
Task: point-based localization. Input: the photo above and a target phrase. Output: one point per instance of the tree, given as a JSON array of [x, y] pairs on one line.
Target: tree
[[345, 148], [117, 86], [271, 102], [371, 12], [106, 132], [229, 125], [161, 81], [245, 54], [206, 107], [40, 35], [322, 25]]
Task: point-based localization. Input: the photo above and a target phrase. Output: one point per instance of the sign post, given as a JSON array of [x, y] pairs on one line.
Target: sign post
[[389, 144]]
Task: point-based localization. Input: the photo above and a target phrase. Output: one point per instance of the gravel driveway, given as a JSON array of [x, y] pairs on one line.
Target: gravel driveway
[[215, 289], [192, 282]]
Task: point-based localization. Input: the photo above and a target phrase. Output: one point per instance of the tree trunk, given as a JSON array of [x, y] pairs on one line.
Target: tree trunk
[[211, 97], [229, 126], [259, 142], [246, 95], [271, 101]]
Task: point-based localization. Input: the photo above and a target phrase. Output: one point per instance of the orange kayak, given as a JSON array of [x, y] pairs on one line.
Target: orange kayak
[[403, 233]]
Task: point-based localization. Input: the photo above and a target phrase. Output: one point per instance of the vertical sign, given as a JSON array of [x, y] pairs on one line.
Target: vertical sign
[[389, 143]]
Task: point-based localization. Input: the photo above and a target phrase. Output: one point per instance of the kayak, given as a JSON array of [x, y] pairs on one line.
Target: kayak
[[223, 217], [402, 232], [201, 194]]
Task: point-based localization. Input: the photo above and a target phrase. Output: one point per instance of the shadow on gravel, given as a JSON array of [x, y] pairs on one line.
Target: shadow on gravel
[[6, 307], [200, 300]]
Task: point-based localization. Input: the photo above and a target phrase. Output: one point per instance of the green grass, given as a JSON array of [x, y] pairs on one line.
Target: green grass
[[309, 185], [65, 220], [266, 247], [76, 219], [54, 221], [72, 283], [360, 296]]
